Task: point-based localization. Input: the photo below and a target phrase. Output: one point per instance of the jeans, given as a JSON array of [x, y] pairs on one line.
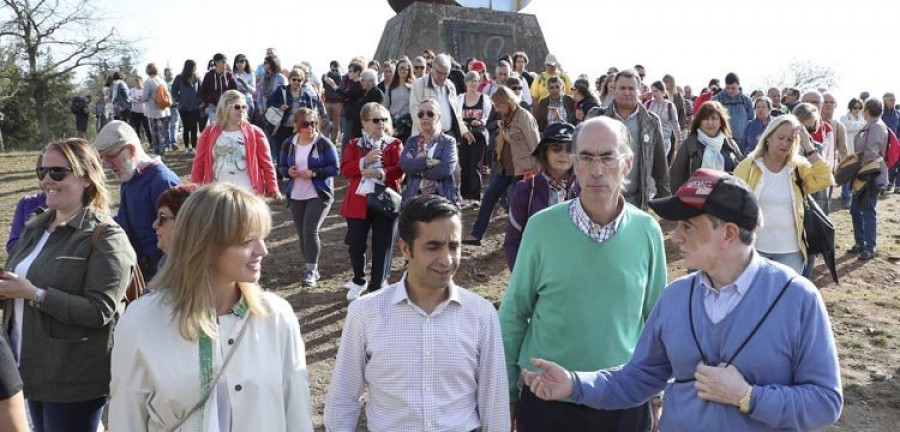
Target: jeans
[[894, 176], [81, 416], [211, 117], [382, 229], [308, 217], [159, 128], [865, 223], [190, 121], [173, 128], [498, 185], [845, 194], [793, 260]]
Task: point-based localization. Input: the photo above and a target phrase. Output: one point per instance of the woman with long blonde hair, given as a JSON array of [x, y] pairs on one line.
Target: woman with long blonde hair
[[235, 151], [222, 354], [784, 154]]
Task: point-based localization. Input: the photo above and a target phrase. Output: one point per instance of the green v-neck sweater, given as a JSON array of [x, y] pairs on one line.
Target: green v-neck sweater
[[578, 302]]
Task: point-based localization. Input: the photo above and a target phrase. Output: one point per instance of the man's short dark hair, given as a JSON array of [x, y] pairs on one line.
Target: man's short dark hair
[[629, 73], [732, 78], [334, 64], [874, 107], [554, 80], [423, 209]]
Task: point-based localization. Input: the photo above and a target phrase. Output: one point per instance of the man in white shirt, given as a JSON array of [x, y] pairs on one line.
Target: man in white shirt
[[429, 352]]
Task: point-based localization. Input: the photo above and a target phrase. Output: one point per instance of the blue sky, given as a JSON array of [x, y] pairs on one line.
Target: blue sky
[[693, 40]]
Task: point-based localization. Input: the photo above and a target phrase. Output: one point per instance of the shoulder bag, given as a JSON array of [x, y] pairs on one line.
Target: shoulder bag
[[818, 230], [274, 114]]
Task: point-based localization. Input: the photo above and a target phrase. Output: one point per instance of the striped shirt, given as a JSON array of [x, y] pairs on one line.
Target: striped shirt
[[443, 371], [597, 232]]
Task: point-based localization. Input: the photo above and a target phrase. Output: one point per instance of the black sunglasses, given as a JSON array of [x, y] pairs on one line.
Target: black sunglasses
[[423, 114], [557, 147], [306, 123], [379, 120], [418, 67], [515, 88], [240, 107], [56, 173], [162, 218]]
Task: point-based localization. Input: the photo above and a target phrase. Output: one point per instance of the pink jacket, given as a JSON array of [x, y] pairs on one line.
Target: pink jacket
[[259, 161]]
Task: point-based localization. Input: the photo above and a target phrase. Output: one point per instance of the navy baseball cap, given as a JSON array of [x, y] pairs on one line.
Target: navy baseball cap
[[711, 192]]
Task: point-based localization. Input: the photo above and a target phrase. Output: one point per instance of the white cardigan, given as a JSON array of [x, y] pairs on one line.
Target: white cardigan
[[156, 372]]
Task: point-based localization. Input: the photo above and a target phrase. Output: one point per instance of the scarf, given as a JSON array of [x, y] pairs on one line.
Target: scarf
[[367, 143], [712, 154]]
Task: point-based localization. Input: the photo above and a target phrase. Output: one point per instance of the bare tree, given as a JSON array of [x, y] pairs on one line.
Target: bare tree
[[806, 74], [56, 37]]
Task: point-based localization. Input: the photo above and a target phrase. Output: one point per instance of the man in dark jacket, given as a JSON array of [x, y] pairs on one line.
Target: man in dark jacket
[[215, 83], [554, 108]]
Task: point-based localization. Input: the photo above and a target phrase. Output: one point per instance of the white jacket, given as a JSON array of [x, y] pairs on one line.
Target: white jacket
[[156, 376], [422, 89], [853, 125]]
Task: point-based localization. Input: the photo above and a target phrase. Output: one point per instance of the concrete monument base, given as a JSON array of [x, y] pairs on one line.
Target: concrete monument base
[[463, 33]]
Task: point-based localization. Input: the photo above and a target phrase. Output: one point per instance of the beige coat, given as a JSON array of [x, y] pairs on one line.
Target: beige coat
[[522, 137]]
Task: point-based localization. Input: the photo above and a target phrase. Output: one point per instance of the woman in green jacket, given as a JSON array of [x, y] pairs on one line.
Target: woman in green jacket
[[64, 287]]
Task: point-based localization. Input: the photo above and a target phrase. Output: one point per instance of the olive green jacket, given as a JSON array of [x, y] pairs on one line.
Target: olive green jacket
[[66, 343]]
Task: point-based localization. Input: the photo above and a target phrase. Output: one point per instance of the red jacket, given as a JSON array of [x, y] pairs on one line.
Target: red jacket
[[259, 161], [705, 97], [355, 206]]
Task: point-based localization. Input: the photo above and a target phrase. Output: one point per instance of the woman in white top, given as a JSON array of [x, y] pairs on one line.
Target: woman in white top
[[854, 122], [208, 350], [668, 116], [784, 153]]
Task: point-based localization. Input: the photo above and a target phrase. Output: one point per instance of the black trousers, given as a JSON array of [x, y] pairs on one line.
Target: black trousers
[[537, 415], [140, 124], [190, 121], [382, 241], [470, 157]]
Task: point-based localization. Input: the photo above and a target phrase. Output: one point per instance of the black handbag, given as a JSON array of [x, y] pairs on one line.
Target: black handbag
[[384, 201], [818, 230]]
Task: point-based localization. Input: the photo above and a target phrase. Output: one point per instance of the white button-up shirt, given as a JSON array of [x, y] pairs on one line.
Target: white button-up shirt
[[443, 371], [719, 303]]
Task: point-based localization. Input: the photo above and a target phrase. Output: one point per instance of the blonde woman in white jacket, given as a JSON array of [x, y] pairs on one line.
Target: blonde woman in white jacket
[[208, 350]]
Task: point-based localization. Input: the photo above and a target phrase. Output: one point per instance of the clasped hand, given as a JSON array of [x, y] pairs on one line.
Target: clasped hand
[[13, 286]]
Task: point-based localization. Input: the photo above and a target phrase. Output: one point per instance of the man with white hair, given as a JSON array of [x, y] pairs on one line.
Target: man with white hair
[[418, 66], [143, 179], [436, 85]]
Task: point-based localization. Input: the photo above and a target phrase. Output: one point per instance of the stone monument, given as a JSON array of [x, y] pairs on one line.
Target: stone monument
[[483, 29]]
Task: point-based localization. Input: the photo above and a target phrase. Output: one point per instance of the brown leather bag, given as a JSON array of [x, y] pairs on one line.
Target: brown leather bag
[[136, 285]]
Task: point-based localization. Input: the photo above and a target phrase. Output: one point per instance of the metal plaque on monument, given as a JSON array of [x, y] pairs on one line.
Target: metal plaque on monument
[[483, 29]]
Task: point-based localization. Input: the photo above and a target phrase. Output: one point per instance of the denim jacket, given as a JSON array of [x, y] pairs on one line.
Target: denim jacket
[[416, 169], [322, 160]]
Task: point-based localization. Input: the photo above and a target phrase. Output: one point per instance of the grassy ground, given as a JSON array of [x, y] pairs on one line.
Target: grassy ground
[[864, 308]]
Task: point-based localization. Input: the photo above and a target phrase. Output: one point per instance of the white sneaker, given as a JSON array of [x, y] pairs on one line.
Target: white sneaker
[[353, 290]]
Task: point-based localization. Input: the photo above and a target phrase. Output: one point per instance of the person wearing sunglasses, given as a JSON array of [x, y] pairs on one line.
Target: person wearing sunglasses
[[245, 80], [142, 178], [373, 159], [429, 158], [235, 151], [298, 93], [555, 183], [167, 206], [418, 66], [63, 295], [853, 122], [516, 140], [310, 161], [208, 349]]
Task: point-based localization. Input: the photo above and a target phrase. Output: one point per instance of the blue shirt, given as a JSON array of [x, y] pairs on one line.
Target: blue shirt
[[720, 302], [791, 361], [139, 196]]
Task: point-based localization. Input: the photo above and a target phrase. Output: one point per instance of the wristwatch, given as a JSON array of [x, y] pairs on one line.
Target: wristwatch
[[744, 404], [38, 298]]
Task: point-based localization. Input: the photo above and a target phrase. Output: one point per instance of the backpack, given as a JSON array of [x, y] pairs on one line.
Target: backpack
[[79, 106], [163, 97], [136, 284], [892, 155], [121, 101]]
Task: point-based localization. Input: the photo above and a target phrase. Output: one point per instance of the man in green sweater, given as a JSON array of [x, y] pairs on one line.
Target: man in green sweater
[[587, 275]]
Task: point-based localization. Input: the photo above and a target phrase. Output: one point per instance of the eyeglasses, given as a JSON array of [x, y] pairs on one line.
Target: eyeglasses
[[418, 67], [296, 80], [56, 173], [423, 114], [162, 218], [379, 120], [606, 161], [558, 147], [305, 123], [112, 157], [240, 107]]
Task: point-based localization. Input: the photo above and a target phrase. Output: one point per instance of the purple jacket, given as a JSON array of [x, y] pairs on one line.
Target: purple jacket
[[24, 212], [530, 196]]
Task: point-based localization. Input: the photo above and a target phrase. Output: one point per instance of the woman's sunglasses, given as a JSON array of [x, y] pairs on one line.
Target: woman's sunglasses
[[305, 124], [423, 114], [56, 173], [240, 107], [379, 120], [162, 218]]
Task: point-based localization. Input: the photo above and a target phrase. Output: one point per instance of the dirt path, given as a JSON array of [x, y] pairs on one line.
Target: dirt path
[[864, 308]]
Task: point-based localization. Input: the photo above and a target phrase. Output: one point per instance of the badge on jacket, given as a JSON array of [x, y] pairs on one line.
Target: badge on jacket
[[646, 138]]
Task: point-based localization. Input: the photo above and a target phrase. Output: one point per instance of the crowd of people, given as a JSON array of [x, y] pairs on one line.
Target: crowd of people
[[577, 168]]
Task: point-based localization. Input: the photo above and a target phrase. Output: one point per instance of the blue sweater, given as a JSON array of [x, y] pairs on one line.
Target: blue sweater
[[791, 361], [752, 132], [891, 119], [322, 160], [740, 111], [139, 195]]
